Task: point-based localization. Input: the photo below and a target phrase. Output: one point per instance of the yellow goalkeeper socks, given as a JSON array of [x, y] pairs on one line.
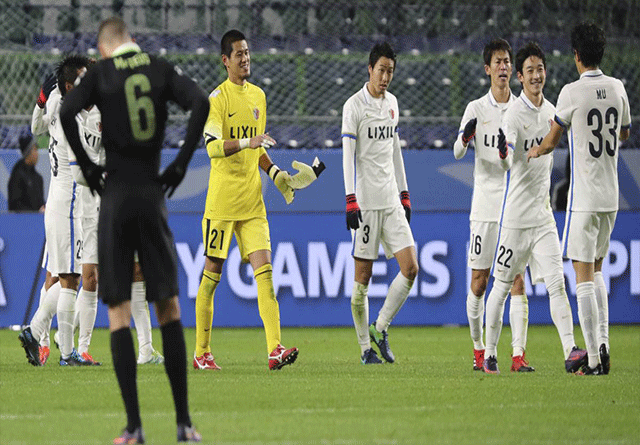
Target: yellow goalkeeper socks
[[268, 305], [204, 311]]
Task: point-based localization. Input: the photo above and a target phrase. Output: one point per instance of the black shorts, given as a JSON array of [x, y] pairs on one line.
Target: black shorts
[[133, 217]]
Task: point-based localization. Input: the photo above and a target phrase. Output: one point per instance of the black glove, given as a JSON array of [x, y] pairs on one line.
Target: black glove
[[502, 144], [406, 203], [46, 89], [354, 216], [469, 130], [94, 175], [172, 177]]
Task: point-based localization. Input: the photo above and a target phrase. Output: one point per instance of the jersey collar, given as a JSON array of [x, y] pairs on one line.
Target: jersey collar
[[126, 48], [368, 98], [530, 104], [591, 73], [238, 88], [495, 103]]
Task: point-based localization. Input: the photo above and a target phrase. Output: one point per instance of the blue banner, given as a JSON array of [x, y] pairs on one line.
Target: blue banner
[[313, 271], [437, 182]]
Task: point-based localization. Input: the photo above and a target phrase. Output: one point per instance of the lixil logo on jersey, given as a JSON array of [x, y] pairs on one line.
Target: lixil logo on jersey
[[256, 113], [381, 132]]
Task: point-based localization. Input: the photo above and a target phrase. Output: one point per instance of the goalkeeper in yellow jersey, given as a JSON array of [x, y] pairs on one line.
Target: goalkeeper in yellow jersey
[[236, 141]]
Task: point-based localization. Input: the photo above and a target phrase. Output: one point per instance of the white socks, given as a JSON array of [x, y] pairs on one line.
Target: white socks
[[141, 318], [360, 313], [495, 313], [41, 321], [86, 309], [561, 312], [44, 341], [397, 295], [588, 315], [602, 302], [519, 321], [475, 314], [66, 313]]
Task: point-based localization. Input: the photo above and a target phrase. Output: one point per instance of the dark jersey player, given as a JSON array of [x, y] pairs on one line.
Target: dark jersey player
[[131, 89]]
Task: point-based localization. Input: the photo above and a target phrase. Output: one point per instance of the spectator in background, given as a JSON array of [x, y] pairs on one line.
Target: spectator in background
[[26, 189]]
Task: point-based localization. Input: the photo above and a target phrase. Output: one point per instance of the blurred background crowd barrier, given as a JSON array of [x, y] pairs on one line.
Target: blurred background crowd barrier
[[309, 56]]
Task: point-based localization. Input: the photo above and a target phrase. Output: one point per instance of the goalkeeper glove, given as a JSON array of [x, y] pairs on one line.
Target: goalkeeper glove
[[354, 216], [94, 175], [281, 179], [306, 174], [469, 130], [172, 177], [406, 203], [46, 89], [502, 144]]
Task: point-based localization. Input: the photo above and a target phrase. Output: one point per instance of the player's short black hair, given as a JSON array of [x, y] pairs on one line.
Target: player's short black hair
[[381, 50], [587, 39], [228, 39], [67, 69], [496, 45], [530, 49]]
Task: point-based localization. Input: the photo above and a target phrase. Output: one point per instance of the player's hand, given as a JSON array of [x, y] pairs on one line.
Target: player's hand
[[533, 153], [354, 215], [172, 177], [306, 174], [469, 131], [46, 89], [94, 174], [406, 203], [281, 179], [502, 144], [262, 140]]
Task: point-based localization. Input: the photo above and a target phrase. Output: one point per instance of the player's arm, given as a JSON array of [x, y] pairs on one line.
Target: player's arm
[[41, 116], [401, 177], [188, 94], [466, 133], [75, 100], [349, 142], [549, 142], [281, 178]]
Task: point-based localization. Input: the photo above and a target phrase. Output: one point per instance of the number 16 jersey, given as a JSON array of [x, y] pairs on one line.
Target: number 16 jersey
[[594, 107]]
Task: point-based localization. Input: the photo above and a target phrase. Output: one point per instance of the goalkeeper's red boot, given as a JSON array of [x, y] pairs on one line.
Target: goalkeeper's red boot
[[280, 357], [520, 364], [44, 354], [205, 361]]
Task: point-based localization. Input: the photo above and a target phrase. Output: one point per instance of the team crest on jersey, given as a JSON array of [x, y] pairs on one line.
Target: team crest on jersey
[[391, 113], [99, 125], [256, 113], [550, 123]]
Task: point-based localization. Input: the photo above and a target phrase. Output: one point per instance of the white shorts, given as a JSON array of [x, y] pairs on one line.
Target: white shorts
[[386, 226], [64, 243], [482, 244], [586, 235], [90, 234], [538, 246]]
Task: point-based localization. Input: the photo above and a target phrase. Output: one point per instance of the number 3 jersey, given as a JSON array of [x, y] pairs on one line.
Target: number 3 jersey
[[594, 108], [64, 193]]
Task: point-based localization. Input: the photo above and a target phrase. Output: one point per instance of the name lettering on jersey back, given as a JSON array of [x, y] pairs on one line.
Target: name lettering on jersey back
[[132, 62], [381, 132], [601, 94], [243, 131]]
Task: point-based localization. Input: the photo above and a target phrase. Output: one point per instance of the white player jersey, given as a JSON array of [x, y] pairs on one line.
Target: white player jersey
[[64, 193], [594, 107], [488, 175], [373, 124], [526, 203], [90, 126]]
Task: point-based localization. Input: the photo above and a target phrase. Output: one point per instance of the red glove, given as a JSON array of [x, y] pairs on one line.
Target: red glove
[[47, 87], [354, 216], [406, 203]]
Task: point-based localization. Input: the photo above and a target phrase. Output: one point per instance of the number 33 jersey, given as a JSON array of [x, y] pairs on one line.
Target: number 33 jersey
[[594, 108]]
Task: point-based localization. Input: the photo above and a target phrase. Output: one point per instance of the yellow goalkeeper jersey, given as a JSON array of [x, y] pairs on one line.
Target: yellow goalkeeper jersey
[[235, 187]]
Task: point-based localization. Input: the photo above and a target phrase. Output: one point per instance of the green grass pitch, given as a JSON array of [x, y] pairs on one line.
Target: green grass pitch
[[430, 396]]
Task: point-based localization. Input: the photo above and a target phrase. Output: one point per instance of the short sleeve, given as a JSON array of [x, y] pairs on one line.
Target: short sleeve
[[213, 126], [626, 110], [564, 108], [349, 121]]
